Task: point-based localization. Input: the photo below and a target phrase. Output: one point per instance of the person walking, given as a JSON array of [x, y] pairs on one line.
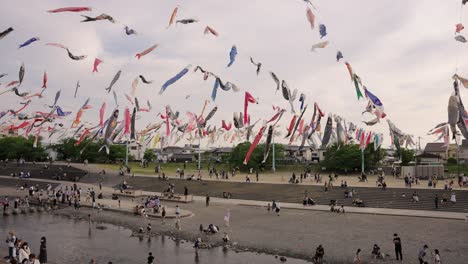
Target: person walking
[[150, 258], [177, 211], [278, 208], [398, 249], [163, 214], [422, 255], [43, 251], [207, 200], [185, 193], [357, 257], [436, 201], [227, 218]]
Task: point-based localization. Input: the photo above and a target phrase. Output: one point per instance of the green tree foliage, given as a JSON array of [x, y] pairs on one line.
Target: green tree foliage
[[237, 156], [20, 147], [149, 155], [451, 161], [407, 155], [348, 157], [67, 149]]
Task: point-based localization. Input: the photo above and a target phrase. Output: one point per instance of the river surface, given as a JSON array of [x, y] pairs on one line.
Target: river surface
[[75, 241]]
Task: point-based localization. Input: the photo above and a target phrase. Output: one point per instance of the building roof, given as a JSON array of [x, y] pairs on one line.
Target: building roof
[[221, 150], [435, 147], [427, 155], [291, 148], [182, 156], [173, 149]]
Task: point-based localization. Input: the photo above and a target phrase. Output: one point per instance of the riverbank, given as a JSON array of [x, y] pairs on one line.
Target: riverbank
[[296, 233]]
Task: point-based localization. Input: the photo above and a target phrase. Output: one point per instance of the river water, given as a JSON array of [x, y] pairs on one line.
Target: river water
[[74, 241]]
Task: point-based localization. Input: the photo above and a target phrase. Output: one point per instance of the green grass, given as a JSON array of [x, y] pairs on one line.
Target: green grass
[[453, 169]]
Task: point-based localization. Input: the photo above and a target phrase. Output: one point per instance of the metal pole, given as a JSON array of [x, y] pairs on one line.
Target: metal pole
[[126, 153], [362, 161], [458, 159], [273, 167], [199, 155]]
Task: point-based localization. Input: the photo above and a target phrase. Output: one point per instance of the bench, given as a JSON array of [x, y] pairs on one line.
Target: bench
[[129, 193], [176, 198]]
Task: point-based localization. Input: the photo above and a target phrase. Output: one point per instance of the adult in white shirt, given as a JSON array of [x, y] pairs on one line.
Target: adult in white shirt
[[24, 252], [453, 198], [11, 239]]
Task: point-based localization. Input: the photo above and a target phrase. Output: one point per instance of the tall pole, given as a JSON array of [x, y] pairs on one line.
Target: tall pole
[[199, 155], [419, 144], [362, 161], [126, 153], [273, 167], [458, 158]]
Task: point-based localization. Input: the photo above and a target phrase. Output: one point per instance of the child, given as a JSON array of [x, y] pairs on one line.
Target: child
[[150, 258]]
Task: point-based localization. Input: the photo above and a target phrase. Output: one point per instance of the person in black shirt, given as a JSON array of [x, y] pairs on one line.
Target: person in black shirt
[[398, 251], [150, 258]]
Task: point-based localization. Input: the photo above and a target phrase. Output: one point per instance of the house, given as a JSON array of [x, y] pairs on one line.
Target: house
[[136, 150], [463, 154], [176, 153], [427, 158], [182, 157], [452, 151], [438, 149], [295, 154], [191, 148], [217, 154]]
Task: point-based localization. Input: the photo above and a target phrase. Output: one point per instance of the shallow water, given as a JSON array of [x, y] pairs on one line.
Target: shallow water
[[73, 241]]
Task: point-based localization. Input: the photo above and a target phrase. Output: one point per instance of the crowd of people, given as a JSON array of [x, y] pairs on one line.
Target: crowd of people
[[19, 251], [72, 195]]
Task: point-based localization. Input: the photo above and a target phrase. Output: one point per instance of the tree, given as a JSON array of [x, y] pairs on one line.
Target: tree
[[88, 150], [237, 156], [149, 155], [348, 157], [20, 147], [407, 155], [451, 161]]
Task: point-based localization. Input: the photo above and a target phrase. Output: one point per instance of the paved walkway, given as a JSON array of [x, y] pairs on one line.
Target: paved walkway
[[129, 204], [282, 178]]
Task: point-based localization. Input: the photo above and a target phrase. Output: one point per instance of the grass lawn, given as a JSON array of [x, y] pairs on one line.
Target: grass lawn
[[452, 169]]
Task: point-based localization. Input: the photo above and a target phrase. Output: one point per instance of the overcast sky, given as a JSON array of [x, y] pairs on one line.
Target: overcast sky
[[404, 51]]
